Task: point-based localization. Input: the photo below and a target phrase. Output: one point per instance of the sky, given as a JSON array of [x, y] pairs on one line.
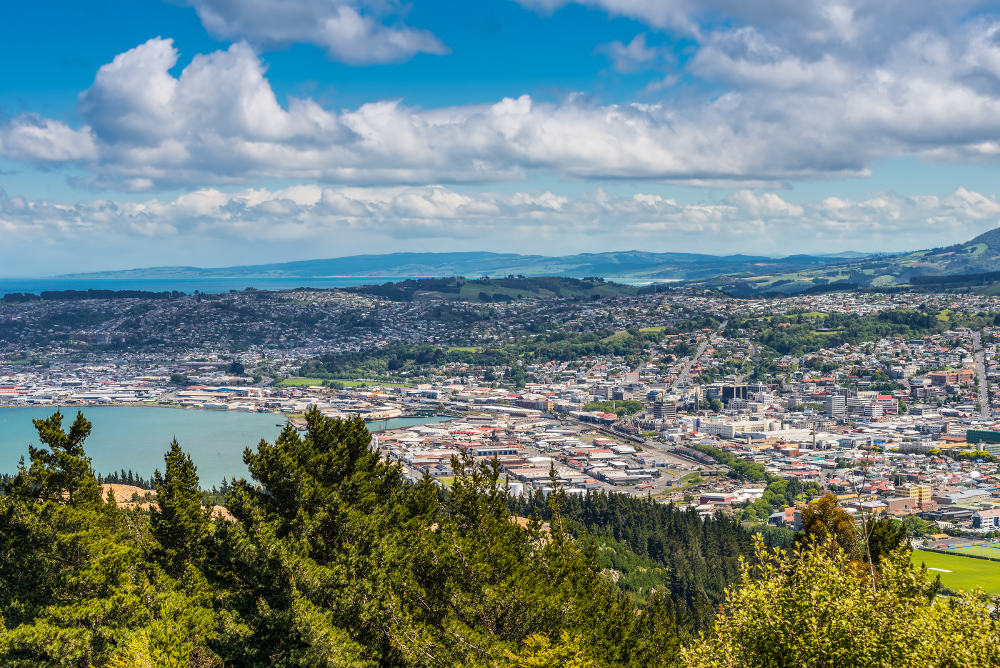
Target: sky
[[219, 132]]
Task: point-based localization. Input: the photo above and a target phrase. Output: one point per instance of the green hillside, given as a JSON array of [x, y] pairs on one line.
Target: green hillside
[[971, 266]]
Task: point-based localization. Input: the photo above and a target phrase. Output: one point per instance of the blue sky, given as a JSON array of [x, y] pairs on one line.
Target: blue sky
[[214, 132]]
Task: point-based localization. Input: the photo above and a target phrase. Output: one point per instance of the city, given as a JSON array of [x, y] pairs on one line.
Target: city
[[902, 425]]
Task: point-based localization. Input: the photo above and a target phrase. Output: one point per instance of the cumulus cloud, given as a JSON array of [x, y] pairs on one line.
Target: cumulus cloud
[[351, 31], [631, 57], [747, 221], [816, 91], [32, 138]]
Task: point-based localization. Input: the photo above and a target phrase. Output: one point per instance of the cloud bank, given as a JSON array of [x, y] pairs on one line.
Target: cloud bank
[[748, 221], [811, 94]]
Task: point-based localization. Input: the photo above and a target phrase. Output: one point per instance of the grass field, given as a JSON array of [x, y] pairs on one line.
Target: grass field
[[981, 550], [300, 382], [965, 572]]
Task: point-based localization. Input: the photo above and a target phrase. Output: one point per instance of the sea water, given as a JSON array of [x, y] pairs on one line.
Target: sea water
[[136, 438]]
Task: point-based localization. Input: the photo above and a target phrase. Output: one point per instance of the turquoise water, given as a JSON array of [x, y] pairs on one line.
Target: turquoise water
[[137, 437]]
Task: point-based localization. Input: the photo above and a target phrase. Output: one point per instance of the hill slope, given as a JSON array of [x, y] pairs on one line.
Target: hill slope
[[632, 264], [961, 266]]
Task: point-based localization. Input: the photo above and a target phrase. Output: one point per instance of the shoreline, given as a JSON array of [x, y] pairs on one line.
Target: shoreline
[[287, 416]]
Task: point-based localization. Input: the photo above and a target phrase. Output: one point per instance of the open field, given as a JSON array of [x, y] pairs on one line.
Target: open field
[[965, 572], [300, 382], [981, 550]]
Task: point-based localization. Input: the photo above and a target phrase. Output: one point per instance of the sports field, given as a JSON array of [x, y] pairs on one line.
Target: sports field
[[981, 550], [959, 572]]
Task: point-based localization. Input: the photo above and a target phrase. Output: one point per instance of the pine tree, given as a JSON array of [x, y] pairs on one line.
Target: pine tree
[[62, 472], [180, 524]]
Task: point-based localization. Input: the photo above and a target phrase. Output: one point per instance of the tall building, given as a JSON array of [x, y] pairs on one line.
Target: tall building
[[836, 405], [919, 493], [664, 410]]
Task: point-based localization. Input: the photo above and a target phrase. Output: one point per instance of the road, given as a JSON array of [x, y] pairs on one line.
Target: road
[[985, 410], [686, 371]]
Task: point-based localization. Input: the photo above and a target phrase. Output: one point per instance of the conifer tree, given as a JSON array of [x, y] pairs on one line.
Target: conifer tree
[[62, 472], [180, 524]]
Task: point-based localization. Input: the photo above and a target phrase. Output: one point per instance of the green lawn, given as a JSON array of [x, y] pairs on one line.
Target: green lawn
[[981, 550], [965, 572], [464, 349], [300, 382]]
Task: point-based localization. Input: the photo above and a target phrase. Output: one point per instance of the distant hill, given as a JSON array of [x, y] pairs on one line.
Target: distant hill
[[497, 289], [969, 266], [623, 264]]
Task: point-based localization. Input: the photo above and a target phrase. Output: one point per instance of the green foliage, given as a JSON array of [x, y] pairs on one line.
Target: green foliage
[[885, 535], [779, 493], [739, 468], [796, 333], [619, 408], [700, 556], [78, 581], [818, 607], [826, 523], [333, 559], [179, 522], [62, 472]]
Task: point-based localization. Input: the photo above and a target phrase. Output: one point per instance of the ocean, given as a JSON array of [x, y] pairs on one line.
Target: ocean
[[137, 437]]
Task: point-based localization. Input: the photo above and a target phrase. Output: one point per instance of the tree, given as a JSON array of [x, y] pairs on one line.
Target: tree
[[77, 582], [179, 522], [827, 524], [61, 473], [885, 535], [715, 404], [820, 608], [236, 368]]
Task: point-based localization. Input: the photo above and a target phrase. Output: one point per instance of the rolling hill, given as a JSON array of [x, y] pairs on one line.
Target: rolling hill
[[624, 264], [971, 266]]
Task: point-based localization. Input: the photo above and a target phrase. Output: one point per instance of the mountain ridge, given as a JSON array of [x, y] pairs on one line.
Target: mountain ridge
[[626, 264]]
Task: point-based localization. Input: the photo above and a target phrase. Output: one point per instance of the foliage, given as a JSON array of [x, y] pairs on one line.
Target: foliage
[[62, 471], [796, 333], [700, 556], [818, 607], [619, 408], [739, 468], [778, 493], [78, 581], [826, 523], [179, 522]]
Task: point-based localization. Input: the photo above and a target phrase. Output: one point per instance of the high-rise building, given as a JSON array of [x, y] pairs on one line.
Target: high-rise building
[[836, 405]]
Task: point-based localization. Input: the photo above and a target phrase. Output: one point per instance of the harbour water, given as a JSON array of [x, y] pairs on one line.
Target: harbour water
[[137, 437]]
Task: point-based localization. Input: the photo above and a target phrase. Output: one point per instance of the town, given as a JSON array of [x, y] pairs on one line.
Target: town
[[746, 407]]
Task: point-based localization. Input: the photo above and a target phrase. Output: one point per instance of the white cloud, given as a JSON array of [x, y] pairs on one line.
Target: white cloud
[[631, 57], [35, 139], [813, 90], [351, 31], [539, 221]]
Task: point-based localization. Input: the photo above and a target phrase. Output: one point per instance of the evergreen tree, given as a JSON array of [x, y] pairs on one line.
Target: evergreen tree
[[63, 471], [826, 523], [179, 522]]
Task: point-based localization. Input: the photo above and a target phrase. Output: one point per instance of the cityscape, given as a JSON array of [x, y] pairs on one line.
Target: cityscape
[[507, 333]]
